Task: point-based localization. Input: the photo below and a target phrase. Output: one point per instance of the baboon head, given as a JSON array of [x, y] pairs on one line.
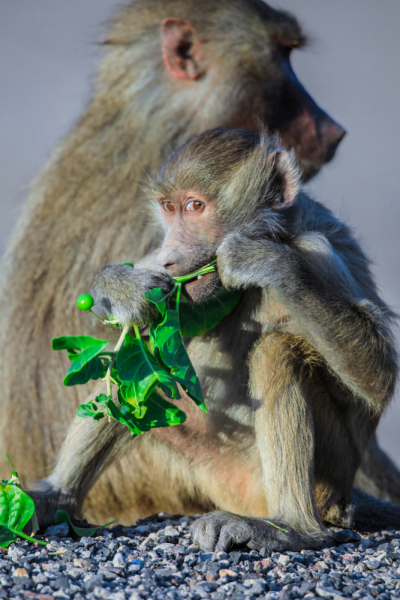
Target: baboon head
[[221, 181]]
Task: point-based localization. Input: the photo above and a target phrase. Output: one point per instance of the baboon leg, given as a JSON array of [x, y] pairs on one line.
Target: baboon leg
[[87, 451], [106, 473], [290, 405], [378, 475]]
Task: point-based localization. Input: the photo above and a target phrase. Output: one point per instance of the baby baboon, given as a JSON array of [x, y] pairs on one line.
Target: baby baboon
[[295, 378]]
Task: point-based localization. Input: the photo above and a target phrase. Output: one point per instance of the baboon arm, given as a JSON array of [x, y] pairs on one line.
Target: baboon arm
[[287, 417], [326, 309], [284, 430]]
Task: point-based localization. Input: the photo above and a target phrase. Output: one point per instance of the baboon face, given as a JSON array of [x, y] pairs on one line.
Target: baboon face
[[193, 233], [222, 181], [286, 107], [252, 61]]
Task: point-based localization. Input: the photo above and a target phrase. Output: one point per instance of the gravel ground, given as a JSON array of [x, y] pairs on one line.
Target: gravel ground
[[155, 560]]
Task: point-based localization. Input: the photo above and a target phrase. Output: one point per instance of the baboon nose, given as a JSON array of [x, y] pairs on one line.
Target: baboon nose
[[333, 133], [168, 260]]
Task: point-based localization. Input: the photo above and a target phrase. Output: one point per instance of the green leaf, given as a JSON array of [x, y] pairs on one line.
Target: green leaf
[[95, 408], [16, 509], [196, 319], [79, 374], [79, 343], [166, 337], [157, 296], [158, 413], [86, 410], [62, 517], [140, 373], [127, 418], [85, 364], [7, 536], [162, 413]]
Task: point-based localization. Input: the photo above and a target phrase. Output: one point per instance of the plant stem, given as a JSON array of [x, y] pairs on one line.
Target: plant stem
[[27, 537], [207, 269], [178, 297], [97, 316], [276, 526], [117, 348]]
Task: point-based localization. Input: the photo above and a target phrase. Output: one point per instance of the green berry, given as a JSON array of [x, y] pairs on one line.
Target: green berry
[[85, 302]]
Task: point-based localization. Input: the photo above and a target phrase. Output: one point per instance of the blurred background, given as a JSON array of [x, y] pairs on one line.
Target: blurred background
[[49, 50]]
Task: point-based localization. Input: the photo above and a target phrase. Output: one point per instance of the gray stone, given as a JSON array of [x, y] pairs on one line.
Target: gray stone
[[325, 591], [143, 529], [119, 561], [283, 560], [90, 583], [61, 595], [203, 556], [164, 547], [372, 564], [40, 578], [385, 547], [61, 530], [217, 556], [257, 588], [133, 568], [117, 596], [100, 592]]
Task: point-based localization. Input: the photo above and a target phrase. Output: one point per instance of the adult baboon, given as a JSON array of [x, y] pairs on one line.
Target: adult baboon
[[173, 68]]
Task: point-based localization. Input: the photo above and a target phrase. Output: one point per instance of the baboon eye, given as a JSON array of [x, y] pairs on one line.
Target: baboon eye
[[168, 206], [194, 205]]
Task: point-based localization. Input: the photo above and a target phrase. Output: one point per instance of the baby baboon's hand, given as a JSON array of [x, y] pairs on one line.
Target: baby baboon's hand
[[118, 290], [237, 257], [244, 262]]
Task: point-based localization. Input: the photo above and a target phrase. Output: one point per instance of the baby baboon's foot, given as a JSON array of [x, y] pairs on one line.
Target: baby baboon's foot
[[48, 501], [224, 531]]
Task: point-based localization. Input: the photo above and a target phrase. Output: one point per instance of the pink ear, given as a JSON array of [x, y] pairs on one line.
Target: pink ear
[[180, 48], [287, 176]]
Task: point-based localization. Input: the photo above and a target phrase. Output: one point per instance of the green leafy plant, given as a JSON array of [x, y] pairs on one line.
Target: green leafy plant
[[62, 517], [16, 509], [137, 370]]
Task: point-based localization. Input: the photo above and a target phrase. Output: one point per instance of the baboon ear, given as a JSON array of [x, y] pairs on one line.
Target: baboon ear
[[285, 178], [181, 49]]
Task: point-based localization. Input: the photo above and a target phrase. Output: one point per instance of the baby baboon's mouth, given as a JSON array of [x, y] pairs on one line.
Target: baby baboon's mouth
[[201, 287]]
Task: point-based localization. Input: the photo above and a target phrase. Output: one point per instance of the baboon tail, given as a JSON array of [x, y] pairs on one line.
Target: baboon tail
[[378, 475], [365, 513]]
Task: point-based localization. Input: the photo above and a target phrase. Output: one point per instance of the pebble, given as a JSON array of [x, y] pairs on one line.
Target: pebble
[[61, 530], [156, 560]]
